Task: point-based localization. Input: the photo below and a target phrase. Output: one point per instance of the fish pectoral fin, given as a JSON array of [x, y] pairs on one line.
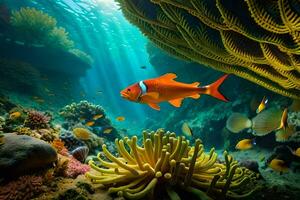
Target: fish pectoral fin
[[154, 106], [176, 102], [195, 96], [168, 76], [195, 84], [153, 95]]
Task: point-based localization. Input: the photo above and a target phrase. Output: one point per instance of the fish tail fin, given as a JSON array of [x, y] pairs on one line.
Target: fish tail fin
[[213, 89]]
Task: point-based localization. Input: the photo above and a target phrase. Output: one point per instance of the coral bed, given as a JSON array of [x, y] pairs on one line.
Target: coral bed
[[168, 165], [256, 40]]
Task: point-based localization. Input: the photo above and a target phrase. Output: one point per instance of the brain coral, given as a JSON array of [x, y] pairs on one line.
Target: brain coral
[[256, 40]]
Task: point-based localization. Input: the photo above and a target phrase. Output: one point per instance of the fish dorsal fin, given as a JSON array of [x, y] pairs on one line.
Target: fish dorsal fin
[[153, 95], [195, 84], [176, 102], [195, 96], [154, 106], [168, 77]]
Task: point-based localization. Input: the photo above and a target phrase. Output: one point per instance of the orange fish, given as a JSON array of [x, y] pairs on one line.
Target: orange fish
[[245, 144], [262, 105], [283, 121], [165, 88], [90, 123], [120, 118], [15, 115]]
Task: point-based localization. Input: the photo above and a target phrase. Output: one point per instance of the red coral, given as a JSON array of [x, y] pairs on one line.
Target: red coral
[[24, 188], [76, 168], [60, 147], [37, 120]]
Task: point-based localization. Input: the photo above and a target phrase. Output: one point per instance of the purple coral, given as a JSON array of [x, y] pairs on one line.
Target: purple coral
[[76, 168], [24, 188], [37, 120]]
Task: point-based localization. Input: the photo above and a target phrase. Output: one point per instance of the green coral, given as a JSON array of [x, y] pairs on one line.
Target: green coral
[[256, 40], [32, 25], [59, 39], [166, 165]]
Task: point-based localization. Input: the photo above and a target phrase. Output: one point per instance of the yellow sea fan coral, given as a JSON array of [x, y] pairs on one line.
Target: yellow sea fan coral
[[256, 40], [165, 164]]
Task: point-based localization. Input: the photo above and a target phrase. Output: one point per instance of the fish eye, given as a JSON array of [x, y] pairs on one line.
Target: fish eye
[[128, 90]]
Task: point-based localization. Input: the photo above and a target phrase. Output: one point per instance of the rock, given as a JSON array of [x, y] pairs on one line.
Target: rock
[[21, 154]]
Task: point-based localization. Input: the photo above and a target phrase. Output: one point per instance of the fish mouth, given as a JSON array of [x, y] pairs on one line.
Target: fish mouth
[[124, 95]]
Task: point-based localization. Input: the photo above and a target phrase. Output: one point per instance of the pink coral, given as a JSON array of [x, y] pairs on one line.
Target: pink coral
[[24, 188], [37, 120], [76, 168]]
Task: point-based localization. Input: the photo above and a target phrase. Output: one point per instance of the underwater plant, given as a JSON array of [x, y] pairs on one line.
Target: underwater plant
[[168, 165], [255, 40], [32, 26]]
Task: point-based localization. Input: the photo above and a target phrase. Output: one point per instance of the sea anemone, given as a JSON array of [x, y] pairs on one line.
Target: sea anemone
[[168, 165], [37, 120]]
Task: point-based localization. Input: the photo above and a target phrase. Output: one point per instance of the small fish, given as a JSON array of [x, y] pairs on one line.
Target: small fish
[[107, 130], [120, 118], [15, 115], [47, 90], [262, 105], [245, 144], [283, 121], [278, 165], [97, 116], [185, 128], [99, 92], [143, 67], [165, 88], [90, 123]]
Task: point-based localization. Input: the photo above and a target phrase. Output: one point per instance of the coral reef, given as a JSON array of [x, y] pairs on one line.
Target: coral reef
[[76, 168], [32, 25], [78, 114], [69, 140], [247, 38], [82, 55], [37, 120], [24, 188], [166, 163]]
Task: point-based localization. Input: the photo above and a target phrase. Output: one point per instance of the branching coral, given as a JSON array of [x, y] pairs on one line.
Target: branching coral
[[37, 120], [83, 112], [24, 188], [167, 163], [256, 40]]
